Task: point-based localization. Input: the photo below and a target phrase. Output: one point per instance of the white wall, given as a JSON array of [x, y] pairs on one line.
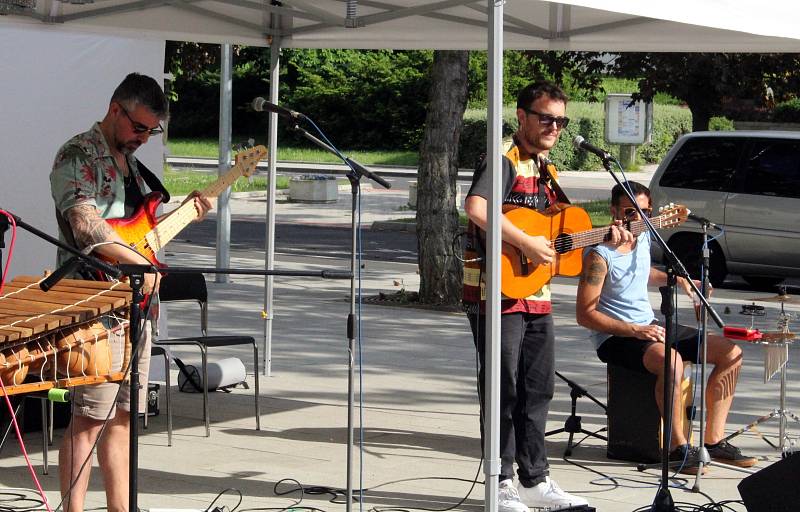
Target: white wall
[[55, 84]]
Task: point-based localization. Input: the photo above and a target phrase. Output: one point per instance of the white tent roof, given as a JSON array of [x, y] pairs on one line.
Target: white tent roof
[[613, 25]]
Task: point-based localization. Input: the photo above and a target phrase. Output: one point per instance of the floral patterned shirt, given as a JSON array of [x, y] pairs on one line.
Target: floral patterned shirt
[[85, 172]]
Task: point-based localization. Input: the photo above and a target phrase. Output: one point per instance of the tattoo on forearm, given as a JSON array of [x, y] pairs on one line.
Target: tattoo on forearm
[[87, 226], [595, 272]]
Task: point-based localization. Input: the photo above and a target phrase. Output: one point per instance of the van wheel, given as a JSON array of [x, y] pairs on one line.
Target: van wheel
[[687, 247], [763, 281]]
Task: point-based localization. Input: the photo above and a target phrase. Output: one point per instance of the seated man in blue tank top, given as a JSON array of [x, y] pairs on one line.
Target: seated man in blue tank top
[[613, 304]]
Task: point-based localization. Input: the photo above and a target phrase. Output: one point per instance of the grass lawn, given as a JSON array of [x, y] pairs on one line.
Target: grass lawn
[[180, 183], [209, 148]]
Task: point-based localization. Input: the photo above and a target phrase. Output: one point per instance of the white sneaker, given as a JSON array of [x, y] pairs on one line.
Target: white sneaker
[[508, 498], [548, 496]]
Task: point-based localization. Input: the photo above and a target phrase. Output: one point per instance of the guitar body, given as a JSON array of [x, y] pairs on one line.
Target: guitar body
[[133, 229], [141, 230], [519, 278]]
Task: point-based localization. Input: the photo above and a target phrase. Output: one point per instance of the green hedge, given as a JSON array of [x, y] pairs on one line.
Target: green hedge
[[787, 111], [586, 120]]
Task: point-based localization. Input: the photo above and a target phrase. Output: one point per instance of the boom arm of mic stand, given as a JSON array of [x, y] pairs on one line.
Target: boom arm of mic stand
[[670, 256], [91, 261], [355, 166]]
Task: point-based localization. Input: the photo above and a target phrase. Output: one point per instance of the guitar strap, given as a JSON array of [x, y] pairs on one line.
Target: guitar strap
[[546, 169], [152, 180]]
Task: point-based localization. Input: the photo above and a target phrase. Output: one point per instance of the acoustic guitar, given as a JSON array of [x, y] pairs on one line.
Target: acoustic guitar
[[569, 229], [141, 230]]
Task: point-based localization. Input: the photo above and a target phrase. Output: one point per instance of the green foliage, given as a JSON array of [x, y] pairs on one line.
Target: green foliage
[[368, 99], [586, 120], [720, 124], [787, 111], [599, 211]]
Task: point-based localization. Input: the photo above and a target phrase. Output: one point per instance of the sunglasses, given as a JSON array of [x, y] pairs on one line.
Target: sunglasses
[[631, 213], [139, 128], [548, 120]]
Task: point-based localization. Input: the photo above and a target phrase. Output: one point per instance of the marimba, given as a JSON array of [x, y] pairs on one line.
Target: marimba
[[63, 337]]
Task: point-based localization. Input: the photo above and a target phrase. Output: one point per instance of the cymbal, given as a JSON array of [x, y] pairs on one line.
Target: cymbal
[[779, 298]]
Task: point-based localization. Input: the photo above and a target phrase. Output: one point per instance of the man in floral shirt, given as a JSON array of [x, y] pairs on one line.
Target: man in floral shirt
[[95, 177]]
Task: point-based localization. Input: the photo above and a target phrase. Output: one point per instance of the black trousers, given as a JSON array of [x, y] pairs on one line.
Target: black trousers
[[527, 374]]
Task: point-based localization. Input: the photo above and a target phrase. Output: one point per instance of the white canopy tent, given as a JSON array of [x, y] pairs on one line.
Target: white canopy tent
[[611, 25]]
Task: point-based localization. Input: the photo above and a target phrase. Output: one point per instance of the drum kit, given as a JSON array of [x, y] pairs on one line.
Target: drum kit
[[776, 360]]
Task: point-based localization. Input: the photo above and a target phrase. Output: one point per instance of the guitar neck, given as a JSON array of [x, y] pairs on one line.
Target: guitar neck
[[174, 223], [599, 235]]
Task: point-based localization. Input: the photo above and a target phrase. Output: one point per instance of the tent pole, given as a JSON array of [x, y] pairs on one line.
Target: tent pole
[[494, 133], [225, 124], [272, 158]]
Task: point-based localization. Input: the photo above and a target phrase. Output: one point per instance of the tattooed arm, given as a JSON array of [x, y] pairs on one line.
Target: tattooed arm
[[89, 229], [590, 287]]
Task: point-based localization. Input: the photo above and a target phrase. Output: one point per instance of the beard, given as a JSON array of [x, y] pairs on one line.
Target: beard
[[128, 147]]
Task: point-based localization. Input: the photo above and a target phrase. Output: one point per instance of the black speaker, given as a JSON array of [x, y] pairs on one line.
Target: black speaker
[[774, 488]]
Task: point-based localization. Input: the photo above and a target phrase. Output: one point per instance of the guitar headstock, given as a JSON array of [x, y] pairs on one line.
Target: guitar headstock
[[672, 215], [247, 159]]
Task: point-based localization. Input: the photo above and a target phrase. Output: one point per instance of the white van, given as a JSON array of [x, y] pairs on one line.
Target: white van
[[748, 183]]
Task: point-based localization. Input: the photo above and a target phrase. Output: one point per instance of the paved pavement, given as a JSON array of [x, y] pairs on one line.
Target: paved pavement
[[420, 441]]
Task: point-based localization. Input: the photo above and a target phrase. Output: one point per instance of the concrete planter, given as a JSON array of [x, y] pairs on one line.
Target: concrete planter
[[313, 189], [412, 195]]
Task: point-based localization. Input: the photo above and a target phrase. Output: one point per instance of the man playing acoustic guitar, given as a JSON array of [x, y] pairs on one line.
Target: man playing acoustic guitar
[[95, 177], [527, 341]]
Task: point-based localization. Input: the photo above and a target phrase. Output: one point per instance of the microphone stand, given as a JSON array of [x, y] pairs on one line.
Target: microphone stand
[[674, 268], [357, 171], [705, 459]]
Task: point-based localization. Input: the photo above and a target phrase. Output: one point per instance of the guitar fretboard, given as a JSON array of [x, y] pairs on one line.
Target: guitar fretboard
[[566, 242]]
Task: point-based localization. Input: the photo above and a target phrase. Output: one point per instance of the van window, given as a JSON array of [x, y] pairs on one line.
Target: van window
[[704, 163], [773, 168]]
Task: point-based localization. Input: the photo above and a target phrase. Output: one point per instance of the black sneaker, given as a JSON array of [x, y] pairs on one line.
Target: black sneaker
[[689, 458], [726, 453]]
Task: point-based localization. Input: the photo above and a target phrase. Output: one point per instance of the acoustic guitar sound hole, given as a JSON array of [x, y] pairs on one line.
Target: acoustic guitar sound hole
[[563, 243]]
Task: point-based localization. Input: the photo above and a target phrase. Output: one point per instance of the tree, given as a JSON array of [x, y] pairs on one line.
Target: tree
[[704, 80], [437, 213]]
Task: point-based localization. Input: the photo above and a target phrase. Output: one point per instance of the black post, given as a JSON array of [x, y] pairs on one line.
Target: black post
[[663, 501], [136, 282]]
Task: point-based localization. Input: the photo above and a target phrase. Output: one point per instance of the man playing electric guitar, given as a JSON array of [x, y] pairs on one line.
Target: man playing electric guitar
[[95, 177], [527, 337]]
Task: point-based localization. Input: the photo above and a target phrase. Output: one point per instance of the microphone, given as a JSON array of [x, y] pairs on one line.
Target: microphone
[[580, 143], [261, 105], [71, 265], [703, 220]]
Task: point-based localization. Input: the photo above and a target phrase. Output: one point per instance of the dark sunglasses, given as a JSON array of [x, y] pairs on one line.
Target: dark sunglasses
[[139, 128], [548, 120], [631, 212]]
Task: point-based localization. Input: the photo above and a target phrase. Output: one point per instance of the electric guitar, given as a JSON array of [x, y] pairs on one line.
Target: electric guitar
[[569, 229], [147, 236]]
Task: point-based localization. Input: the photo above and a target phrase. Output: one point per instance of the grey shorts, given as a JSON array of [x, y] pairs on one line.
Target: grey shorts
[[96, 401]]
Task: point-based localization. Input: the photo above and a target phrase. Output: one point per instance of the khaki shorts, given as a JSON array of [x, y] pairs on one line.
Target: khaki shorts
[[97, 400]]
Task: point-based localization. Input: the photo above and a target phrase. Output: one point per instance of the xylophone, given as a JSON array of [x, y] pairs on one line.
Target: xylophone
[[63, 337]]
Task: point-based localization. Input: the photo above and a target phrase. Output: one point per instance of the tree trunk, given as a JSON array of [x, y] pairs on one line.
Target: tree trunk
[[437, 212]]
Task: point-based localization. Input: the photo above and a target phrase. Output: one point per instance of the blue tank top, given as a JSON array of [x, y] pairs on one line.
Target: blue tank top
[[624, 294]]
